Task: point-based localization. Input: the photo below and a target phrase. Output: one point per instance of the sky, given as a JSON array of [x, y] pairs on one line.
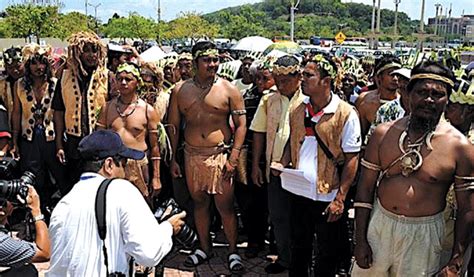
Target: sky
[[170, 9]]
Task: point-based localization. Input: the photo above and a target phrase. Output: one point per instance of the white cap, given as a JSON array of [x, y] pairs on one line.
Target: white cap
[[405, 72]]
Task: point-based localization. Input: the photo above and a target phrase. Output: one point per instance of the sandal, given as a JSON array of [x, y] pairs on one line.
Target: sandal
[[235, 264], [196, 258]]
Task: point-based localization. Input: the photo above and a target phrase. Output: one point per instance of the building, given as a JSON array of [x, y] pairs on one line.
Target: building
[[462, 26]]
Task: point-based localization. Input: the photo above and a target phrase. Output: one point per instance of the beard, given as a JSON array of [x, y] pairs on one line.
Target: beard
[[423, 124]]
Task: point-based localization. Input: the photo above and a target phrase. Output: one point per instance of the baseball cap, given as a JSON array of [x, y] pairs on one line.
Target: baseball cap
[[405, 72], [106, 143]]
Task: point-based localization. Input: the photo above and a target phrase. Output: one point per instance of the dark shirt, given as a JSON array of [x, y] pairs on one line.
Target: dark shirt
[[251, 101], [58, 102]]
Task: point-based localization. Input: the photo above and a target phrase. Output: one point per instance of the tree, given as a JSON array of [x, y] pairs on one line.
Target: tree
[[191, 25], [118, 28], [26, 20], [141, 27], [69, 24]]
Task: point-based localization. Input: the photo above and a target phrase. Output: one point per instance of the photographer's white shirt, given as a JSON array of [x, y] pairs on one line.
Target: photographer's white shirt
[[132, 230]]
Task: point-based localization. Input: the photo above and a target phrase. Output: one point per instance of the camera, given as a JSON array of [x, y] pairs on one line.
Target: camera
[[11, 187], [186, 236]]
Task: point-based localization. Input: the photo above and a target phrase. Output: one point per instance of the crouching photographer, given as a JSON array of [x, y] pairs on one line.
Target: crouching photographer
[[17, 255], [104, 223]]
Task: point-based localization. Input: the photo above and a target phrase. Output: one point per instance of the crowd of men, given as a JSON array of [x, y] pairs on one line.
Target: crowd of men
[[393, 142]]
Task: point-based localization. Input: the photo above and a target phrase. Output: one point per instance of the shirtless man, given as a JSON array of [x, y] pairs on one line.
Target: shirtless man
[[369, 102], [404, 233], [205, 103], [134, 119]]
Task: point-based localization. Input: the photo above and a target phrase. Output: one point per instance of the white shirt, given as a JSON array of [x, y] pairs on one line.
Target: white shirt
[[241, 86], [132, 230], [308, 155]]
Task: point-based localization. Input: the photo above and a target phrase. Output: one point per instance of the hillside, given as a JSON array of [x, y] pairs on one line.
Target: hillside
[[314, 17]]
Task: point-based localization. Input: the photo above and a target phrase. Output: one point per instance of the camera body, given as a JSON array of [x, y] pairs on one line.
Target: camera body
[[11, 187], [186, 236]]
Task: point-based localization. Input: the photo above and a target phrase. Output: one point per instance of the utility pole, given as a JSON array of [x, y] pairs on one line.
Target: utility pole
[[377, 31], [372, 39], [95, 16], [422, 25], [292, 17], [395, 31], [158, 13], [437, 6]]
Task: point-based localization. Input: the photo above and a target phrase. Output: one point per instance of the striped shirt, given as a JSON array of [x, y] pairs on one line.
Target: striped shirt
[[14, 252]]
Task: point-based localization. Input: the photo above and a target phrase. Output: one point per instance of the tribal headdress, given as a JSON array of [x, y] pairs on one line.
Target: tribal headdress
[[12, 54], [254, 55], [369, 60], [229, 70], [324, 64], [463, 92], [267, 63], [185, 56], [169, 61], [130, 68], [286, 65], [207, 52], [152, 69], [387, 67], [31, 50], [77, 42]]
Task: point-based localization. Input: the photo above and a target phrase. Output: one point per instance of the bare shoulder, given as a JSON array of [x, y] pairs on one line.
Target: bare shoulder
[[387, 127], [367, 95], [180, 86], [452, 135], [228, 86]]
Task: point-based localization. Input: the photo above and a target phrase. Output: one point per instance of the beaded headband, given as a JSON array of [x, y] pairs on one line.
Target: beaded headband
[[125, 67], [285, 70], [463, 94], [432, 77], [185, 56], [323, 63], [388, 66], [207, 52]]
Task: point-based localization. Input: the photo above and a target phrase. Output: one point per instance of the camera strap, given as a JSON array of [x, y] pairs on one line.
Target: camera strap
[[100, 216]]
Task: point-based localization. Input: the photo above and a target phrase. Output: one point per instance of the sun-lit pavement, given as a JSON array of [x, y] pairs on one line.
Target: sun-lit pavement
[[216, 266]]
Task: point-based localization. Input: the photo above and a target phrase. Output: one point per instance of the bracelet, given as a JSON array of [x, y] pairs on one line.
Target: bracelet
[[38, 218], [237, 148], [363, 205], [155, 158], [233, 163]]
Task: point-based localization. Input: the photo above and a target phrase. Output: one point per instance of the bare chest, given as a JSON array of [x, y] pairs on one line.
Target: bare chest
[[196, 104]]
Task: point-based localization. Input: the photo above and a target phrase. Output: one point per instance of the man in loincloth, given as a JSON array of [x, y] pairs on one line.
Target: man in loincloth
[[408, 168], [205, 103], [369, 102], [135, 121]]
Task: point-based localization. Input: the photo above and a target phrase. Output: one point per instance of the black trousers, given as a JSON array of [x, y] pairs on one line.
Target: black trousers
[[39, 157], [307, 219], [252, 201]]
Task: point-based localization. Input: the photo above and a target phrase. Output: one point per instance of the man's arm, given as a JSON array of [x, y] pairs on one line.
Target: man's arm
[[58, 120], [153, 121], [43, 252], [257, 151], [174, 120], [236, 106], [465, 201], [365, 195], [102, 120]]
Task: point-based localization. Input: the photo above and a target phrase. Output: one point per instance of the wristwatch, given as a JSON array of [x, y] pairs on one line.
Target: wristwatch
[[38, 218]]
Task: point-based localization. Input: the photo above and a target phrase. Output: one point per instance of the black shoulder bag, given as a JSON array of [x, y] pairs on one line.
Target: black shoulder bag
[[100, 209], [339, 166]]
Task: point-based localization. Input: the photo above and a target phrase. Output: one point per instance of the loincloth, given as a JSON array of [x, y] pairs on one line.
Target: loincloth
[[204, 168], [136, 172]]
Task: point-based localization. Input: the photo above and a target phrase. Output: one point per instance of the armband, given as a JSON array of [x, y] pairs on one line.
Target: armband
[[239, 112], [153, 131], [464, 187], [369, 165], [100, 125], [155, 158], [363, 205]]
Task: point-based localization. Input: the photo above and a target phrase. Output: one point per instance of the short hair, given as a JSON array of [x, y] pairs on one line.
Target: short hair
[[202, 46], [432, 67], [96, 165], [383, 61], [286, 61]]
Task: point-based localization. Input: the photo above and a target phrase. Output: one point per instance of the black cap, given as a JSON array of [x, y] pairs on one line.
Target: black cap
[[106, 143]]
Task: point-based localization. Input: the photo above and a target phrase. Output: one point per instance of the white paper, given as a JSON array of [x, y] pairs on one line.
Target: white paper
[[294, 181]]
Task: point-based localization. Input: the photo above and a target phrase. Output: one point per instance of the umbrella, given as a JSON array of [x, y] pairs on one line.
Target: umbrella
[[153, 54], [288, 47], [255, 43]]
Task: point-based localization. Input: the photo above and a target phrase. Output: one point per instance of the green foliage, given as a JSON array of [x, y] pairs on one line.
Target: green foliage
[[26, 20], [133, 26], [191, 25], [69, 24]]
